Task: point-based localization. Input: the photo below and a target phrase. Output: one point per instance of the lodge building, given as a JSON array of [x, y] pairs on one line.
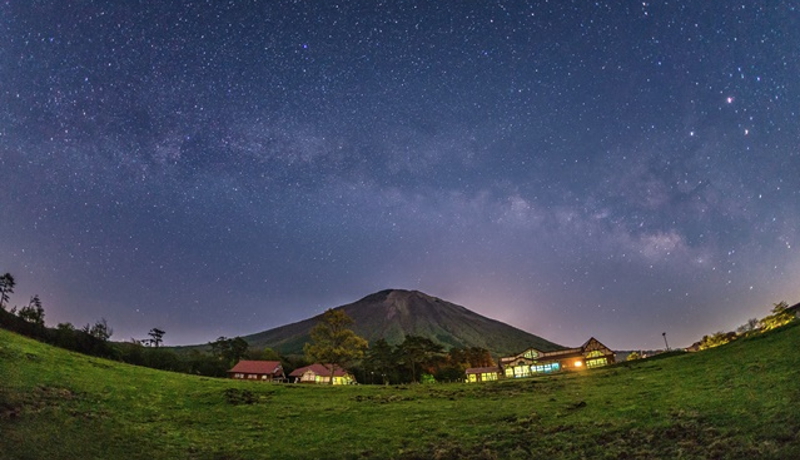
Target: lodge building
[[532, 362]]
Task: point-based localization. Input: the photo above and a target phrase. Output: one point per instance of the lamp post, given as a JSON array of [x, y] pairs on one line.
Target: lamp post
[[664, 334]]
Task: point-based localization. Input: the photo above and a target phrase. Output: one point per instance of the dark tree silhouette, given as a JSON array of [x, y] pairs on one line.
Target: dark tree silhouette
[[381, 360], [230, 351], [7, 284], [157, 336], [101, 330], [416, 352], [33, 312]]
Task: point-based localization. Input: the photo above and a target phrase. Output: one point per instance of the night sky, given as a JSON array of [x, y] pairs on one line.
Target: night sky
[[574, 169]]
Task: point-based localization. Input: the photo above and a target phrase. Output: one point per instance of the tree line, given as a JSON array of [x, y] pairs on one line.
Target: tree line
[[416, 359], [213, 360]]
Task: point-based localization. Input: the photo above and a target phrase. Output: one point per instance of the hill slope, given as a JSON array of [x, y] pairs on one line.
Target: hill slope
[[738, 401], [393, 314]]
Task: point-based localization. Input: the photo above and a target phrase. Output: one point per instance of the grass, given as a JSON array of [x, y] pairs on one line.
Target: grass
[[739, 401]]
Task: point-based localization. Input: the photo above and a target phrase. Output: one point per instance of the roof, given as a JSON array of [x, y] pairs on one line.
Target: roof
[[319, 369], [257, 367], [591, 344], [482, 370]]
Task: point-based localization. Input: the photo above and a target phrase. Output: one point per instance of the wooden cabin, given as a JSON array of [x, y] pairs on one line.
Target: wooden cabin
[[262, 371], [321, 373], [483, 374], [532, 361]]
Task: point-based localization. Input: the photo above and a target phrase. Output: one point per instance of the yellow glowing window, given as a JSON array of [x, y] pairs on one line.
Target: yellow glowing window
[[578, 363], [473, 378], [531, 354], [594, 354], [596, 362]]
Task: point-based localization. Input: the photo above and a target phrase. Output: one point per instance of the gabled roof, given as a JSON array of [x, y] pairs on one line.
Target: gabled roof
[[594, 344], [257, 367], [589, 345], [319, 369], [482, 370]]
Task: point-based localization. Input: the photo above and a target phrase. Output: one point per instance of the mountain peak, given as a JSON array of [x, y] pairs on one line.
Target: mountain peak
[[393, 314]]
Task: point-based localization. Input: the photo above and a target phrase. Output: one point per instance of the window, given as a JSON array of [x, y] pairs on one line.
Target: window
[[522, 371], [509, 372], [472, 378], [594, 354], [531, 354], [596, 362], [549, 367], [486, 376]]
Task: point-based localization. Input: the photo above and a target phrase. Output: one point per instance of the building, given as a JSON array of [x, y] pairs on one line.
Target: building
[[263, 371], [321, 373], [532, 361], [483, 374]]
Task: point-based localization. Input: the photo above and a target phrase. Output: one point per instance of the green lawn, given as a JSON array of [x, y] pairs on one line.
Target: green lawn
[[737, 401]]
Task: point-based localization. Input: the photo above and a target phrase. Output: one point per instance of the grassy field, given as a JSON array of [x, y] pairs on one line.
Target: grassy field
[[737, 401]]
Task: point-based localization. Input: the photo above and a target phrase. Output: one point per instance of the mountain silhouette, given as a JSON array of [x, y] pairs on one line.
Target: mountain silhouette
[[394, 313]]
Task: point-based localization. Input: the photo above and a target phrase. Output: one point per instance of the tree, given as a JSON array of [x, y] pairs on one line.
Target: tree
[[381, 360], [33, 312], [633, 356], [156, 335], [416, 352], [778, 318], [719, 338], [230, 351], [333, 343], [267, 354], [100, 330], [7, 284], [750, 326]]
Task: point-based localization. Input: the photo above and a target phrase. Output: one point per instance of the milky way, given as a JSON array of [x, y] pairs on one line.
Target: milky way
[[575, 169]]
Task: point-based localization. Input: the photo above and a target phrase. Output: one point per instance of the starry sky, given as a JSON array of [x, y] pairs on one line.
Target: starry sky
[[611, 169]]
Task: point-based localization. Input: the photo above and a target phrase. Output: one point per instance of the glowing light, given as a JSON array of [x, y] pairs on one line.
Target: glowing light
[[578, 363]]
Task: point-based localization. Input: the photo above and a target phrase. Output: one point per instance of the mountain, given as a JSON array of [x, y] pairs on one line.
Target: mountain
[[393, 314]]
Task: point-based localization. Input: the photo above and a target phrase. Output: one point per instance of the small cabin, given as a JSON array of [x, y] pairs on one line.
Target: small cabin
[[321, 373], [262, 371]]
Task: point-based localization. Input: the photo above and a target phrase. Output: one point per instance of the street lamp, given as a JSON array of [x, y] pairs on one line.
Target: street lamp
[[664, 334]]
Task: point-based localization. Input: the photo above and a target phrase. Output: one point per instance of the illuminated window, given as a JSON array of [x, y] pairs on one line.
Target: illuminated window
[[594, 354], [486, 376], [578, 363], [473, 378], [509, 372], [521, 371], [531, 354], [596, 362], [544, 368]]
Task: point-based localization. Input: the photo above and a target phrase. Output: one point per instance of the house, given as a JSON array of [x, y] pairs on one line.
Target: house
[[532, 361], [321, 373], [263, 371], [794, 309], [483, 374]]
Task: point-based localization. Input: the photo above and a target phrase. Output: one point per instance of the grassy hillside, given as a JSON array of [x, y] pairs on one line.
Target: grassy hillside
[[737, 401]]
